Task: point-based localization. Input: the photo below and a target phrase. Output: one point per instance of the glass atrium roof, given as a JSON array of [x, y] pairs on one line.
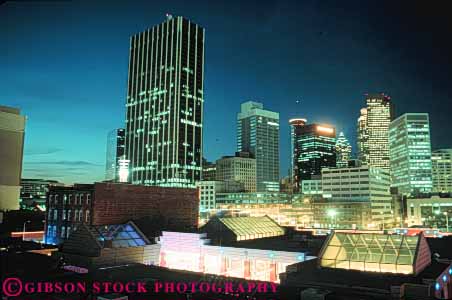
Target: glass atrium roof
[[122, 235], [375, 252], [247, 228]]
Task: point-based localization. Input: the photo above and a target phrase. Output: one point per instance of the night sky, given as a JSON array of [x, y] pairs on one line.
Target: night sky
[[64, 63]]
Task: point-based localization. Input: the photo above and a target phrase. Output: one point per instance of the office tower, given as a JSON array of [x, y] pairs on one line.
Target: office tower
[[442, 170], [209, 170], [373, 128], [361, 184], [343, 151], [115, 152], [12, 130], [316, 149], [241, 168], [410, 154], [258, 134], [165, 104], [296, 126]]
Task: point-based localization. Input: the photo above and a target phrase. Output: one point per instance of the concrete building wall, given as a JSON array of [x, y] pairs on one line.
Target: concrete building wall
[[12, 130]]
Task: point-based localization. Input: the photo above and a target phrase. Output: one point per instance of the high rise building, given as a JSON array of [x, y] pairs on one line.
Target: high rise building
[[165, 104], [442, 170], [12, 131], [241, 168], [361, 184], [343, 151], [410, 154], [314, 148], [373, 131], [296, 126], [115, 152], [258, 133]]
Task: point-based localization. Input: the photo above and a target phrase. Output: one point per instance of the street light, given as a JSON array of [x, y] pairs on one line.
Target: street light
[[332, 214], [23, 230]]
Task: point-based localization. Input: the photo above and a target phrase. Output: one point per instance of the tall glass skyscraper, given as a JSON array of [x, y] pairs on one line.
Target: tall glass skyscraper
[[410, 153], [165, 104], [258, 134], [115, 152], [373, 128], [343, 151], [296, 126], [314, 148]]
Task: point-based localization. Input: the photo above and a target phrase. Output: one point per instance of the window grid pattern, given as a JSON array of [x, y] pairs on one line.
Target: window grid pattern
[[246, 228], [371, 252]]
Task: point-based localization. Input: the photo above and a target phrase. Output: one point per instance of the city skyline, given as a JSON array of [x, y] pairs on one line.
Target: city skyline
[[51, 99]]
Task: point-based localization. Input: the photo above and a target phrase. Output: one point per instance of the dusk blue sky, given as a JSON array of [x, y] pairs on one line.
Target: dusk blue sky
[[64, 63]]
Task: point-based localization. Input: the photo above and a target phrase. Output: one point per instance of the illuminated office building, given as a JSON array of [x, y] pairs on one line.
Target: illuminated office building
[[241, 168], [361, 184], [258, 134], [115, 152], [12, 131], [315, 148], [442, 170], [343, 151], [296, 126], [410, 154], [373, 131], [165, 104]]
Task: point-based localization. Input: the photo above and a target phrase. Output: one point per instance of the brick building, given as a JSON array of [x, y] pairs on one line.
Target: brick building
[[116, 203]]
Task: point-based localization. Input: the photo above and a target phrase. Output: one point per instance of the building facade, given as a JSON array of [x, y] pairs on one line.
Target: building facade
[[12, 131], [343, 151], [258, 134], [373, 131], [241, 168], [431, 212], [296, 125], [209, 170], [410, 154], [252, 198], [209, 189], [35, 190], [116, 203], [115, 152], [442, 170], [362, 184], [312, 187], [165, 104], [316, 149]]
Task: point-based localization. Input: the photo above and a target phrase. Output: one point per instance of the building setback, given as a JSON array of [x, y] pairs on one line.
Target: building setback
[[442, 170], [115, 203], [165, 104], [115, 152], [410, 154], [258, 134], [373, 131], [12, 131]]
